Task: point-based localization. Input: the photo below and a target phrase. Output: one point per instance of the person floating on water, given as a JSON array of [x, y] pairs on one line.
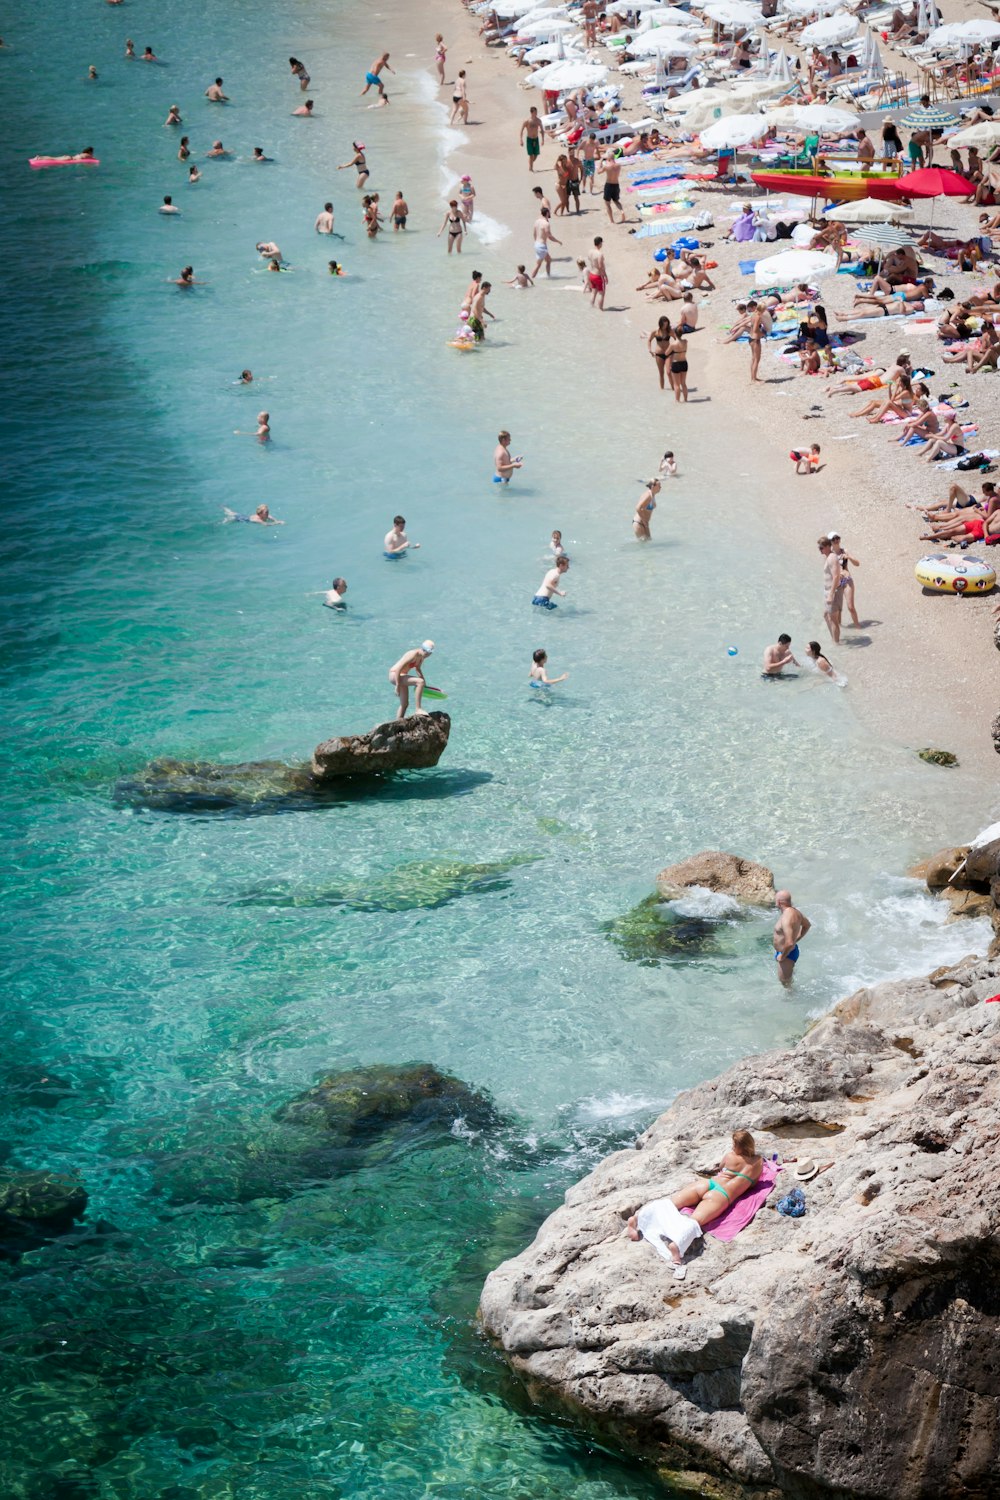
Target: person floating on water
[[334, 598], [411, 662], [261, 516], [789, 930], [397, 543], [538, 676]]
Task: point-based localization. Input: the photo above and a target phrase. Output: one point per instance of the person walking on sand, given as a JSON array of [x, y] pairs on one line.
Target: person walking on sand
[[532, 136], [460, 99], [440, 57], [597, 274], [588, 152], [833, 594], [543, 239], [644, 511], [503, 464], [662, 336], [789, 930], [755, 333], [407, 672], [454, 222], [612, 169], [373, 78]]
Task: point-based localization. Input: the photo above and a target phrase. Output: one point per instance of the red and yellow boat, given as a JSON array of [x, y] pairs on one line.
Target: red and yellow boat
[[837, 186]]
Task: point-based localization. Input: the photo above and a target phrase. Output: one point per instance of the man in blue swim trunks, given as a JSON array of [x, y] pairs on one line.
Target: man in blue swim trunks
[[789, 930], [373, 79]]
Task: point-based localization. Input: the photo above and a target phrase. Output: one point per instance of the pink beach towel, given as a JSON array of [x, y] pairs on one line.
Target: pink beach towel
[[741, 1213]]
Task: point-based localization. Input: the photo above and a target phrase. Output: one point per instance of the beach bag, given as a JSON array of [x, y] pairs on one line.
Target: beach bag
[[793, 1205], [972, 461]]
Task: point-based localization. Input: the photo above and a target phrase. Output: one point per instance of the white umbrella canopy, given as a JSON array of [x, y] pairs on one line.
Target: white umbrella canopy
[[734, 133], [780, 71], [507, 9], [983, 136], [822, 117], [816, 7], [831, 31], [568, 74], [553, 52], [665, 41], [668, 15], [544, 29], [792, 266], [868, 211], [733, 14], [964, 33], [883, 236]]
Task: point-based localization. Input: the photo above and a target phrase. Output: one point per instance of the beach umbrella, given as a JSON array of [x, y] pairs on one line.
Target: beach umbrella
[[832, 31], [568, 74], [733, 15], [936, 117], [815, 7], [874, 66], [792, 266], [546, 29], [666, 41], [964, 33], [781, 71], [868, 211], [553, 52], [883, 236], [508, 9], [983, 136], [734, 132], [820, 117], [934, 182]]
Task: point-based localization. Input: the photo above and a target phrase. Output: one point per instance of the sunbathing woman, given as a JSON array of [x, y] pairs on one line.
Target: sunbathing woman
[[711, 1196], [922, 422], [951, 442]]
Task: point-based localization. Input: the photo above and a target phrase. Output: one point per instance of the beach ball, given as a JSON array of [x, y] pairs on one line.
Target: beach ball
[[732, 651]]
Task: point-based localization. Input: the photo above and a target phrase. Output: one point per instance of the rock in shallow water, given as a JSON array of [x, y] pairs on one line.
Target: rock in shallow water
[[422, 885], [651, 934], [364, 1102], [413, 744], [729, 873], [35, 1206], [848, 1353]]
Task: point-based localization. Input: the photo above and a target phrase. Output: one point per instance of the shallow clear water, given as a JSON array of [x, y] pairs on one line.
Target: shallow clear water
[[185, 974]]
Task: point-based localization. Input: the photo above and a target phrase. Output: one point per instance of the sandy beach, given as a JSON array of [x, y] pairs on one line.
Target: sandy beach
[[922, 669]]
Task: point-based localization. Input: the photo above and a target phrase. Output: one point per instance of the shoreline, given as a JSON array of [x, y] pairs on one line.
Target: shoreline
[[935, 651]]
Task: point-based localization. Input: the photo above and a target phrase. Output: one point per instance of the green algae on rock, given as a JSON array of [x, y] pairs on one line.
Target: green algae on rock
[[651, 934], [420, 885], [938, 757], [364, 1102]]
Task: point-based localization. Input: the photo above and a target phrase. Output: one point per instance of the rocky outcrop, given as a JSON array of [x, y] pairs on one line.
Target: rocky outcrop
[[36, 1206], [413, 744], [358, 1105], [968, 876], [267, 786], [728, 873], [849, 1352]]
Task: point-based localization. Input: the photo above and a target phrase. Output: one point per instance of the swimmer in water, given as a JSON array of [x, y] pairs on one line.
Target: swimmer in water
[[258, 155], [668, 465], [274, 264], [411, 662], [522, 280], [193, 174], [324, 220], [357, 160], [173, 116], [814, 651], [268, 249], [129, 47], [336, 269], [556, 545], [92, 75], [550, 585], [148, 55], [396, 541], [777, 657], [218, 149], [644, 511], [214, 93], [334, 598], [246, 377], [184, 149], [263, 430], [538, 677], [168, 206], [503, 464], [305, 110], [261, 516], [186, 278]]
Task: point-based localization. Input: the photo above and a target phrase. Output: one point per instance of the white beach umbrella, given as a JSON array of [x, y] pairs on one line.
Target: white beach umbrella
[[553, 52], [983, 136], [831, 31], [704, 115], [734, 133], [869, 211], [781, 71], [964, 33], [792, 266], [666, 41], [816, 7], [543, 29], [733, 14], [874, 67], [508, 9], [822, 117], [569, 74]]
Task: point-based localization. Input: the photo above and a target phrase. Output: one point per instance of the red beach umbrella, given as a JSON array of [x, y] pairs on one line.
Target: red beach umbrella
[[935, 182]]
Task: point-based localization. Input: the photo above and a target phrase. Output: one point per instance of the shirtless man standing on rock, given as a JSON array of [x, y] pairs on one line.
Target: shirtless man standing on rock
[[789, 929]]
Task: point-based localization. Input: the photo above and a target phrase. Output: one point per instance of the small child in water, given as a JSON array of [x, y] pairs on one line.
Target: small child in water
[[336, 269], [538, 677], [556, 545], [806, 463], [521, 280], [668, 465], [814, 651]]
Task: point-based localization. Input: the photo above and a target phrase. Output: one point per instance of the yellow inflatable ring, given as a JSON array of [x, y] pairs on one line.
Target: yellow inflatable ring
[[955, 573]]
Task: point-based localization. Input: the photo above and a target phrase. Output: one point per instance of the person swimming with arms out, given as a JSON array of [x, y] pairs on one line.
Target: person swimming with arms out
[[538, 677], [261, 517]]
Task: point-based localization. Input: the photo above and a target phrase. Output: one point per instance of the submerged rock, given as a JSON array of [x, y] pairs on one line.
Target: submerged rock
[[851, 1352], [360, 1104], [421, 885], [35, 1207], [651, 934], [729, 873], [412, 744]]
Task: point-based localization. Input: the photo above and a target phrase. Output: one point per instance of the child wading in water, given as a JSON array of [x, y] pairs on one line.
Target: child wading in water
[[538, 677]]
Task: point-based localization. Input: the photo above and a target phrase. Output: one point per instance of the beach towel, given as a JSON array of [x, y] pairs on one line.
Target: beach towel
[[649, 231], [951, 464], [747, 267], [741, 1213], [660, 1221]]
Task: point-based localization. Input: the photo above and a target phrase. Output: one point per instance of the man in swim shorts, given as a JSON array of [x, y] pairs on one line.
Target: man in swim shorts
[[400, 212], [503, 464], [396, 542], [550, 585], [373, 78], [789, 930], [543, 239], [532, 136], [588, 152], [777, 657], [597, 274], [612, 169]]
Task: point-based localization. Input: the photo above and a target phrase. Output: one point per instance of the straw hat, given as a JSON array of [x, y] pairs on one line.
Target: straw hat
[[806, 1170]]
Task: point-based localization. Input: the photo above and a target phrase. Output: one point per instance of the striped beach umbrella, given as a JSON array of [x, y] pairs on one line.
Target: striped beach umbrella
[[933, 118], [883, 236]]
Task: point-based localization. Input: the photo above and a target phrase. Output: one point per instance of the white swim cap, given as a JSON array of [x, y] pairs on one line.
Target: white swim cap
[[427, 647]]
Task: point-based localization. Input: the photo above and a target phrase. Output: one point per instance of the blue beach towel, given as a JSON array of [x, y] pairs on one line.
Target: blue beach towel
[[747, 267]]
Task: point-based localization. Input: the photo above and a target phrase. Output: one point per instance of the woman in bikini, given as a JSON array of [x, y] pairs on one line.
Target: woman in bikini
[[454, 222], [357, 160], [440, 54], [562, 186], [679, 366], [711, 1196], [662, 336]]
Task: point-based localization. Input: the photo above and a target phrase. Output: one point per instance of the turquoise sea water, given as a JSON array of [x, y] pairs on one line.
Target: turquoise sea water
[[182, 975]]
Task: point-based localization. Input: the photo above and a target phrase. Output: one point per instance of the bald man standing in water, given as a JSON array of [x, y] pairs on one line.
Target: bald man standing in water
[[789, 930]]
